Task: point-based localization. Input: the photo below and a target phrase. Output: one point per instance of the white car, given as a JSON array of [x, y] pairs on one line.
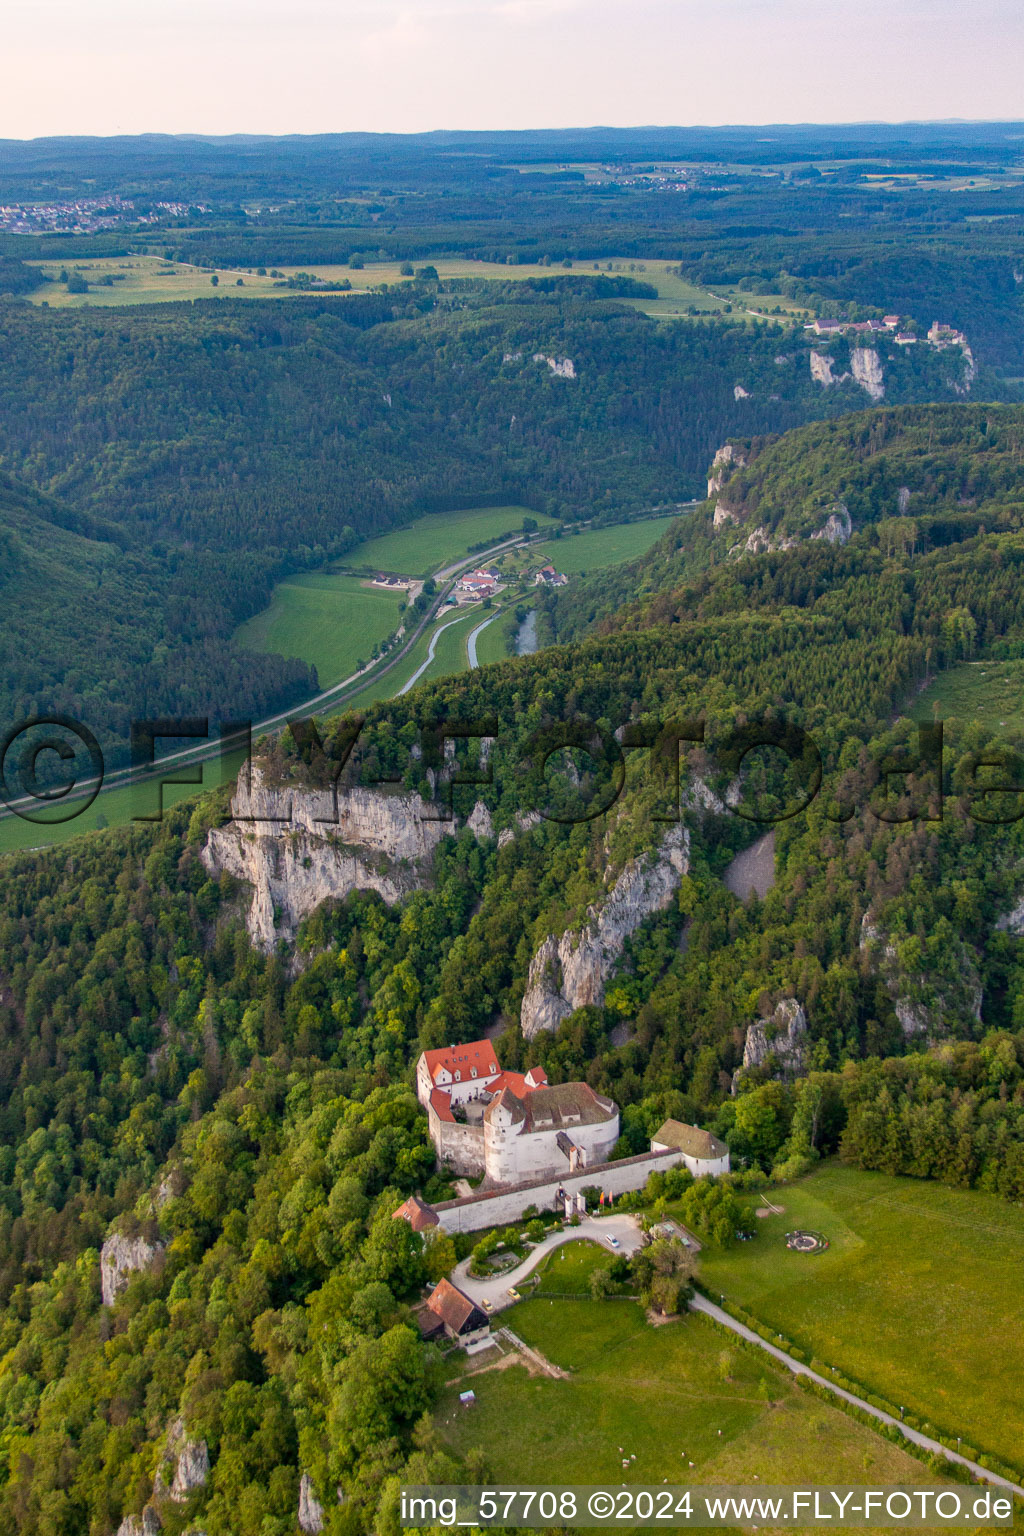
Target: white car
[[613, 1241]]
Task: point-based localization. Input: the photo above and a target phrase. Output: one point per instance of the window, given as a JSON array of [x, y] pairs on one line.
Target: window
[[458, 1077], [474, 1071]]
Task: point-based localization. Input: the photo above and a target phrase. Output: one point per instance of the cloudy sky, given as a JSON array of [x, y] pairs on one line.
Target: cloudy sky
[[306, 66]]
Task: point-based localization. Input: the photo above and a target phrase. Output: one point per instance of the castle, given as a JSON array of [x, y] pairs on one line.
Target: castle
[[510, 1126]]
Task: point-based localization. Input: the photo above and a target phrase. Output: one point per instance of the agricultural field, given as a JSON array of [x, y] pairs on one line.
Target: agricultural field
[[920, 1295], [329, 620], [423, 546], [151, 280], [115, 807], [681, 1398], [595, 548], [990, 693], [146, 280]]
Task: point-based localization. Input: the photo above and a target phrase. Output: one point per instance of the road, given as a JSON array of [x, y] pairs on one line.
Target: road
[[596, 1230], [471, 642], [333, 697], [702, 1304], [435, 637]]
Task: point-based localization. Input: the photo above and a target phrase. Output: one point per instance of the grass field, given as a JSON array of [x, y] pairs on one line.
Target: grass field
[[428, 543], [329, 620], [664, 1394], [147, 280], [595, 548], [113, 808], [920, 1296], [490, 645], [151, 280], [990, 693]]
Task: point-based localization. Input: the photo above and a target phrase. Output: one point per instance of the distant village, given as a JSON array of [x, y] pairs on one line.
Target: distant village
[[939, 335], [86, 215]]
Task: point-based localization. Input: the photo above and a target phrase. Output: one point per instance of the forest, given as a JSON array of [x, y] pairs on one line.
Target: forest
[[208, 450], [246, 1116], [250, 1116]]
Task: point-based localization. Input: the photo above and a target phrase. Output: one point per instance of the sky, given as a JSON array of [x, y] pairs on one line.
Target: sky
[[313, 66]]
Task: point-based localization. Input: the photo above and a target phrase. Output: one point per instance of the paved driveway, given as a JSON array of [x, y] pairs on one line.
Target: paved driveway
[[495, 1290]]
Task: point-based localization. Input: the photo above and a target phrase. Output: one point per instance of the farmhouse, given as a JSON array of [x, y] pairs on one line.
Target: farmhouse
[[481, 583], [510, 1126], [450, 1311], [547, 576], [420, 1216], [699, 1150]]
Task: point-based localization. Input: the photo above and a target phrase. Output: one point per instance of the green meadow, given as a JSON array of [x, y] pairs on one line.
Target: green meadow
[[327, 619], [680, 1397], [424, 546], [990, 693], [920, 1296], [151, 280], [116, 807], [491, 643], [594, 548]]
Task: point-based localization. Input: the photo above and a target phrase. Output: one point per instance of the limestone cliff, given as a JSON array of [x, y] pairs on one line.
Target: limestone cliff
[[924, 1005], [779, 1040], [821, 369], [284, 843], [727, 458], [561, 367], [146, 1524], [570, 971], [120, 1258], [191, 1460], [837, 527], [866, 366], [311, 1511]]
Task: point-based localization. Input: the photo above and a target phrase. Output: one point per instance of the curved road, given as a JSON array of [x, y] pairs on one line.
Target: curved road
[[471, 642], [435, 637], [702, 1304], [495, 1291]]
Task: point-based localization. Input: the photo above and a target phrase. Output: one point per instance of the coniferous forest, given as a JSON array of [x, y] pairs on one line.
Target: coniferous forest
[[245, 1112]]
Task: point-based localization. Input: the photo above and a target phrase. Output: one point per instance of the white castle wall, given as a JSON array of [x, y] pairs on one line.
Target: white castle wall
[[512, 1155], [504, 1205]]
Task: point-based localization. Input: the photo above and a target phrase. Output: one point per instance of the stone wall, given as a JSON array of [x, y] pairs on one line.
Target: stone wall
[[460, 1147], [504, 1205]]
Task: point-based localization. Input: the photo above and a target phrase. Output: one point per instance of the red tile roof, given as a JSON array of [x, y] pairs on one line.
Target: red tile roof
[[455, 1309], [463, 1058], [417, 1213], [441, 1105]]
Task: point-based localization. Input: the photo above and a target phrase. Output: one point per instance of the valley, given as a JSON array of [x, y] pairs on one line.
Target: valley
[[633, 494]]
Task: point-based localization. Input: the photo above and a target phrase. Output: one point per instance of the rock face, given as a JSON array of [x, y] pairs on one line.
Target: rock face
[[921, 1005], [146, 1524], [191, 1462], [782, 1037], [739, 393], [821, 369], [285, 845], [561, 367], [867, 370], [311, 1511], [724, 514], [1013, 921], [727, 458], [571, 971], [120, 1258], [837, 527]]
